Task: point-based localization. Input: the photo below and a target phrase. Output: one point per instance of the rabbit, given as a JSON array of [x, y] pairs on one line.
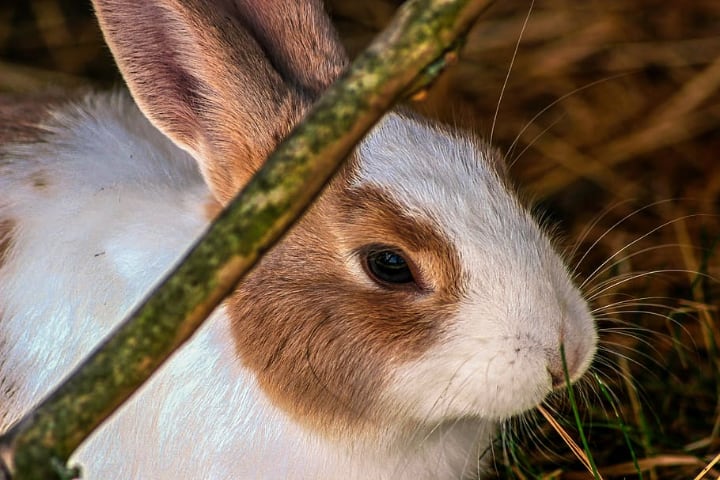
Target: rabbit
[[413, 308]]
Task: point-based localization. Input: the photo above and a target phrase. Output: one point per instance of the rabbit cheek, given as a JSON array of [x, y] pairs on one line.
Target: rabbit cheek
[[324, 340], [324, 356]]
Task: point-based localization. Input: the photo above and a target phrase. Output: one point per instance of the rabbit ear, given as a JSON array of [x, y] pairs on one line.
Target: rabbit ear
[[305, 47], [224, 79]]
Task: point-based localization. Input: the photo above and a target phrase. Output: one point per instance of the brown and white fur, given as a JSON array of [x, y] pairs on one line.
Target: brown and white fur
[[312, 369]]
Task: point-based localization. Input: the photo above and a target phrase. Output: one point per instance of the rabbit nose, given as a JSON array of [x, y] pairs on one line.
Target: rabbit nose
[[557, 377], [556, 369]]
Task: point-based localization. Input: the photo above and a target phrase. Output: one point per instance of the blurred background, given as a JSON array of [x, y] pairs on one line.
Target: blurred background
[[608, 115]]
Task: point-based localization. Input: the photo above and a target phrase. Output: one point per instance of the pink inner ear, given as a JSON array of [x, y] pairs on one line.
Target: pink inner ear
[[300, 40], [225, 80], [143, 38]]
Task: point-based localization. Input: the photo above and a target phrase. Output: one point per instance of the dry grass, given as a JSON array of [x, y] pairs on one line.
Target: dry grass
[[610, 118]]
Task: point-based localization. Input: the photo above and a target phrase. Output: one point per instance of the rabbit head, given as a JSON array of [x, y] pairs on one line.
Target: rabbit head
[[417, 287]]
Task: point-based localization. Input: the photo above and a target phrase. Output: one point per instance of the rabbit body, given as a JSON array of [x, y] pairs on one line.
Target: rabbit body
[[101, 210], [319, 365]]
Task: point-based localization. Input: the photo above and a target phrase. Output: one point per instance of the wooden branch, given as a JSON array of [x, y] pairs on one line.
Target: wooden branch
[[38, 447]]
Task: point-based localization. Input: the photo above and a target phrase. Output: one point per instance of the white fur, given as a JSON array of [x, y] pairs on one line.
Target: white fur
[[88, 244], [120, 206]]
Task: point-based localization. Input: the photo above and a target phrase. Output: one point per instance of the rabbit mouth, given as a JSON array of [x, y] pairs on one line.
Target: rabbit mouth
[[492, 379]]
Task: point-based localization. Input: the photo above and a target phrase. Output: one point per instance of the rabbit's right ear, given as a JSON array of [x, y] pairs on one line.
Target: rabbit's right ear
[[224, 79]]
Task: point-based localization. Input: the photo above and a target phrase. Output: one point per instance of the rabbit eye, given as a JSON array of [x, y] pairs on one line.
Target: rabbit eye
[[388, 266]]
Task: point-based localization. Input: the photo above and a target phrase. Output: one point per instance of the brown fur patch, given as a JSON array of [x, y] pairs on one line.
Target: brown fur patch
[[375, 216], [6, 228], [8, 389], [212, 209], [40, 180], [324, 343], [21, 116]]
